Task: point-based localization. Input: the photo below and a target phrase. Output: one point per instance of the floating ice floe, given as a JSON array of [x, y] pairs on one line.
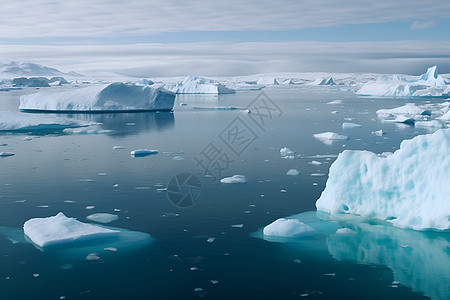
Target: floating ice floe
[[329, 137], [102, 218], [60, 229], [347, 125], [334, 102], [113, 97], [143, 152], [87, 130], [200, 85], [287, 228], [409, 109], [401, 119], [293, 172], [408, 188], [6, 154], [287, 153], [429, 84], [234, 179], [16, 121]]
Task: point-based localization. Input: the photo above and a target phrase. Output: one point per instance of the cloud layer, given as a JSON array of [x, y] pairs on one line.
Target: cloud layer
[[112, 18], [217, 59]]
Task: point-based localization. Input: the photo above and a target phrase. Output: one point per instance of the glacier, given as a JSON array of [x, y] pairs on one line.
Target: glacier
[[408, 188], [112, 97], [429, 84]]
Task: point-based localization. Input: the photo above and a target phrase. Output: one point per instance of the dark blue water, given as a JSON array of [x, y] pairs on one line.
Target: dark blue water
[[196, 252]]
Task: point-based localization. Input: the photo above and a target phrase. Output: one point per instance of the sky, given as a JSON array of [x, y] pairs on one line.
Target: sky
[[147, 38]]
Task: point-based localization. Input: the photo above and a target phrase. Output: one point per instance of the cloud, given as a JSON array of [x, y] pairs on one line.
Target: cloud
[[221, 59], [417, 25], [112, 18]]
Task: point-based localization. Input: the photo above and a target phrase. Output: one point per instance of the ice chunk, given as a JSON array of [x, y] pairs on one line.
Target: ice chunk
[[378, 132], [323, 81], [16, 121], [200, 85], [401, 119], [334, 102], [347, 125], [6, 154], [404, 188], [287, 228], [286, 153], [429, 84], [293, 172], [113, 97], [143, 152], [409, 109], [234, 179], [102, 217], [60, 229], [329, 137]]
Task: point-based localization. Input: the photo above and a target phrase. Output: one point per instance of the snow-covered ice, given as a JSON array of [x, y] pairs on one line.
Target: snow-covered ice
[[200, 85], [103, 218], [102, 97], [408, 188], [429, 84], [234, 179], [60, 229], [287, 228]]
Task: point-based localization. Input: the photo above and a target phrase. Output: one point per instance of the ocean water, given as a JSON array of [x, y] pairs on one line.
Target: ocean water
[[204, 245]]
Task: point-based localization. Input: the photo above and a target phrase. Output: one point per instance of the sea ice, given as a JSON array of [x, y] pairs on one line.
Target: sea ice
[[60, 229], [113, 97], [329, 137], [234, 179], [293, 172], [143, 152], [102, 217], [200, 85], [408, 188], [287, 153], [347, 125], [287, 228], [429, 84]]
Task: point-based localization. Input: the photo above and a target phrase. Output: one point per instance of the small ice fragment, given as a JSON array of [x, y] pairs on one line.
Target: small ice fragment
[[283, 191], [315, 163], [329, 136], [116, 185], [131, 124], [237, 225], [335, 112], [334, 102], [286, 152], [330, 274], [293, 172], [297, 261], [211, 239], [200, 292], [378, 132], [102, 218], [193, 268], [214, 281], [183, 104], [345, 231], [315, 183], [347, 125], [304, 295], [143, 152], [102, 174], [112, 249], [142, 188], [86, 180], [92, 256], [6, 154], [43, 206], [117, 209], [118, 147], [178, 158], [35, 275], [234, 179], [318, 174], [70, 201], [90, 207]]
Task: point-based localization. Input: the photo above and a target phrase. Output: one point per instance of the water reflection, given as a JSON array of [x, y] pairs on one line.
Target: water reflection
[[419, 260]]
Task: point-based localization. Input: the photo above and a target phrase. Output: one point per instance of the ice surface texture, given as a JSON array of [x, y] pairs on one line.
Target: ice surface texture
[[60, 229], [16, 121], [409, 188], [429, 84], [113, 97]]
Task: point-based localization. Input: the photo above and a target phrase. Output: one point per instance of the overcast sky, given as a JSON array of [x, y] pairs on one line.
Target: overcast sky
[[176, 37]]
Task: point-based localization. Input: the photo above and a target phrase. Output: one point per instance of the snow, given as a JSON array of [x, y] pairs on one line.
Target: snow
[[408, 188], [102, 97], [287, 228], [200, 85], [143, 152], [60, 229], [293, 172], [234, 179], [16, 121], [102, 218], [347, 125], [429, 84]]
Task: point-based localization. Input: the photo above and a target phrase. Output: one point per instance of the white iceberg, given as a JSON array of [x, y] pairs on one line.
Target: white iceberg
[[324, 81], [286, 153], [200, 85], [234, 179], [102, 218], [347, 125], [409, 109], [408, 188], [429, 84], [287, 228], [401, 119], [330, 137], [16, 121], [60, 229], [113, 97], [293, 172]]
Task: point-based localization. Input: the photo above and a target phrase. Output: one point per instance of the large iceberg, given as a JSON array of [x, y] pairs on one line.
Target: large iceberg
[[429, 84], [16, 121], [60, 229], [408, 188], [200, 85], [103, 97]]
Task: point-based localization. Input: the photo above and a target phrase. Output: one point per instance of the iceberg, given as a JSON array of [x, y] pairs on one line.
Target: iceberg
[[60, 229], [329, 137], [408, 188], [429, 84], [409, 109], [234, 179], [287, 228], [99, 98], [324, 81], [347, 125], [200, 85], [102, 218], [293, 172], [287, 153], [16, 121], [143, 152]]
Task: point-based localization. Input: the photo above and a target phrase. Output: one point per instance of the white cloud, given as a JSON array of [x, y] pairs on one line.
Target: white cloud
[[417, 25], [215, 59], [111, 18]]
